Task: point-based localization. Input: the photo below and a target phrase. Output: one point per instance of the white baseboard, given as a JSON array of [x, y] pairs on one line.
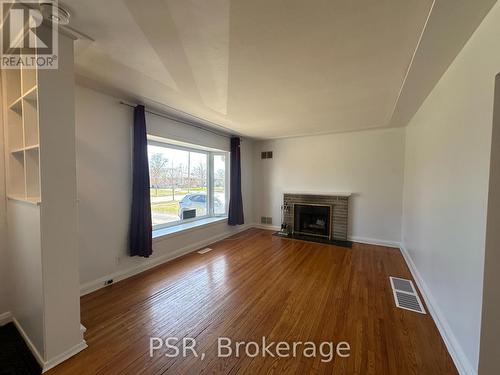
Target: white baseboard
[[64, 356], [374, 241], [5, 318], [153, 262], [266, 227], [31, 346], [462, 363]]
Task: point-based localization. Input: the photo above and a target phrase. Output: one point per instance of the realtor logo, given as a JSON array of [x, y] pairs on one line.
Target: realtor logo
[[27, 41]]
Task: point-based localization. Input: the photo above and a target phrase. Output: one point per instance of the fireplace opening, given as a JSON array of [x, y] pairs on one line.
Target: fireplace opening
[[312, 220]]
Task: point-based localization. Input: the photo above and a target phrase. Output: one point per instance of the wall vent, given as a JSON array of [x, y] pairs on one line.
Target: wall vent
[[266, 220], [405, 295]]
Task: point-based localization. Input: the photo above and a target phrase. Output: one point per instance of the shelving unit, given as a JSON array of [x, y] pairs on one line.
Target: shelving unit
[[22, 135], [41, 212]]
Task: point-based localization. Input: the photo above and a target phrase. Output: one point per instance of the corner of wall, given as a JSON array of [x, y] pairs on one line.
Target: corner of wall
[[490, 327]]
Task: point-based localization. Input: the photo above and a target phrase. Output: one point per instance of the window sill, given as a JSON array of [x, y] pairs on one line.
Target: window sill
[[160, 234]]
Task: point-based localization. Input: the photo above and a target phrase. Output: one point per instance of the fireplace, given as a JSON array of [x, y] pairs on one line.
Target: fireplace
[[312, 220], [316, 217]]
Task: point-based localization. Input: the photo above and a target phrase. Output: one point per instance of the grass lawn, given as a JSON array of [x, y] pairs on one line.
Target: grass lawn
[[171, 207]]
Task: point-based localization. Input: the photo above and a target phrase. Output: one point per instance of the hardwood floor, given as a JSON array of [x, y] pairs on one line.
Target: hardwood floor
[[253, 285]]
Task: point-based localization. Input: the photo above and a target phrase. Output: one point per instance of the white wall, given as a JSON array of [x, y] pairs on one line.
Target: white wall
[[25, 271], [446, 189], [104, 174], [369, 164], [490, 326]]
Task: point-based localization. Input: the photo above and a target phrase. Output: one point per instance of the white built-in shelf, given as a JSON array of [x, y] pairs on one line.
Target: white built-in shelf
[[31, 200], [30, 95], [22, 149], [22, 135], [17, 150], [17, 105]]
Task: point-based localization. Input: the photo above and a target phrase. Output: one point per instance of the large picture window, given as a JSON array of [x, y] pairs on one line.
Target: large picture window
[[187, 183]]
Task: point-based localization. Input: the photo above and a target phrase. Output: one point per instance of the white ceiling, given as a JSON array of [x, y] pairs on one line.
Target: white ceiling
[[261, 68]]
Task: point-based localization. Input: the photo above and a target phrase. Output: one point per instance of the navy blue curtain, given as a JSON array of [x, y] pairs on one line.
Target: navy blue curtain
[[235, 216], [141, 230]]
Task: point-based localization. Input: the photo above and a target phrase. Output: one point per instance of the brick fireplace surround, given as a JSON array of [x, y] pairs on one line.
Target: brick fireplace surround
[[339, 203]]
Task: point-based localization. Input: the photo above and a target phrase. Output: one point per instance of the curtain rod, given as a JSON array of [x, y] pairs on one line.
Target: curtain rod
[[204, 128]]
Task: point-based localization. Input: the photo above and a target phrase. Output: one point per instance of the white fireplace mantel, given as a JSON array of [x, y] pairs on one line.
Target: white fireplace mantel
[[332, 194]]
